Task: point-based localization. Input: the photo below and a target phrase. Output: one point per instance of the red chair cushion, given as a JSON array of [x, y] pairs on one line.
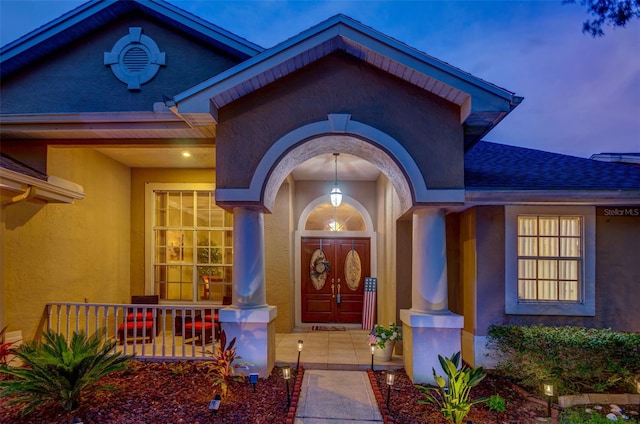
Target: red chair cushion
[[138, 325], [139, 316], [198, 325]]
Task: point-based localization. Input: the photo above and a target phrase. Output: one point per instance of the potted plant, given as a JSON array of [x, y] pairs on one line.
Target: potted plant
[[385, 340]]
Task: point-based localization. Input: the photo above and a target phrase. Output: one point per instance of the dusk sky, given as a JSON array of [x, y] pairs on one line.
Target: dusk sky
[[582, 95]]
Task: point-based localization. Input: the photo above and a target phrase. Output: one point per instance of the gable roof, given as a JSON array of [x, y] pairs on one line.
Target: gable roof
[[482, 104], [94, 14], [498, 168]]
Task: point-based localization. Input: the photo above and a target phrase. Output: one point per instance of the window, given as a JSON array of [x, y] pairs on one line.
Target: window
[[550, 260], [549, 257], [326, 217], [191, 245]]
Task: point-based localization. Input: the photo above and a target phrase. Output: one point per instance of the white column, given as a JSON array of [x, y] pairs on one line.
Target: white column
[[249, 319], [429, 328], [429, 265], [249, 283]]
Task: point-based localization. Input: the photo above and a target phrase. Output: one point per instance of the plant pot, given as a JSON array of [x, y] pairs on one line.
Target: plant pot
[[386, 353]]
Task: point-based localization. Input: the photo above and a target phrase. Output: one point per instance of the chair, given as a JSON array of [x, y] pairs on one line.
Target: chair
[[203, 329], [139, 321]]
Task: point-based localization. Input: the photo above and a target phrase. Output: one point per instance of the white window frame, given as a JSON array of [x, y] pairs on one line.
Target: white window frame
[[150, 189], [586, 305]]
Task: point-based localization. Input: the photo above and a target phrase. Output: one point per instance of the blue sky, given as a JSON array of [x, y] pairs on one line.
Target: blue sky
[[582, 95]]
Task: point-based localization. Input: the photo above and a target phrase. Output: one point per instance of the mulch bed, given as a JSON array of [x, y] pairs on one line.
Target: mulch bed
[[179, 392]]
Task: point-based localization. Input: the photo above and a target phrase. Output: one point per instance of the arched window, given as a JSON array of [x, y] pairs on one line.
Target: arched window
[[325, 217]]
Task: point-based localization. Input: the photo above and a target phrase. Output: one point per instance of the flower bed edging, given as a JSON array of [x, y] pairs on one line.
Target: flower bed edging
[[295, 396], [382, 406]]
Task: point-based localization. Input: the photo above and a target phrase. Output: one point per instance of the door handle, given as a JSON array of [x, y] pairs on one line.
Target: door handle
[[333, 286], [338, 300]]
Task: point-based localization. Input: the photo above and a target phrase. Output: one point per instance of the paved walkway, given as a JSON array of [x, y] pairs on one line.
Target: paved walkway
[[336, 397]]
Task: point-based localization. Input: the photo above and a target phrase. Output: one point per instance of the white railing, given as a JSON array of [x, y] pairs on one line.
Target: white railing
[[149, 331]]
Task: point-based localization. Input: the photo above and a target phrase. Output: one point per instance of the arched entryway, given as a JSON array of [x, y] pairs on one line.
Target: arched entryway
[[335, 251]]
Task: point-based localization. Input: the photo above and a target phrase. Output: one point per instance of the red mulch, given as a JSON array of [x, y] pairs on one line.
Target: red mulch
[[180, 392]]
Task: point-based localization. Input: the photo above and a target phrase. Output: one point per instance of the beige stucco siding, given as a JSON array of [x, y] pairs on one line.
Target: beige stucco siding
[[68, 252], [424, 124]]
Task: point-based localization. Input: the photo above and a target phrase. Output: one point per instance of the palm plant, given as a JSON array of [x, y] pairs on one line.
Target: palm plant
[[451, 396], [57, 371]]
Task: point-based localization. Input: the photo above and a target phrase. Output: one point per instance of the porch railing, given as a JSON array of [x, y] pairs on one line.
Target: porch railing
[[149, 331]]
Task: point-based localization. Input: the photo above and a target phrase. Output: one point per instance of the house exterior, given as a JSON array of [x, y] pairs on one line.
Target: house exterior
[[98, 204]]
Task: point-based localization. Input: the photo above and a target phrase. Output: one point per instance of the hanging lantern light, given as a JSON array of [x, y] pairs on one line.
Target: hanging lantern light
[[336, 193]]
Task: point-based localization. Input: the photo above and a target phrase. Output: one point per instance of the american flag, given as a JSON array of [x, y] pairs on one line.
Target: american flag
[[369, 309]]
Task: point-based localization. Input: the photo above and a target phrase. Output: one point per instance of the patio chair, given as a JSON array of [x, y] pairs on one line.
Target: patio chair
[[139, 322], [204, 329]]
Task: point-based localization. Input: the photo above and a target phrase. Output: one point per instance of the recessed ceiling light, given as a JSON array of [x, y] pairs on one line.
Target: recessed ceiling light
[[186, 154]]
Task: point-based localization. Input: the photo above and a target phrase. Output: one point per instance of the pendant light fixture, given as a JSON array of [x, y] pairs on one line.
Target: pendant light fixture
[[336, 193]]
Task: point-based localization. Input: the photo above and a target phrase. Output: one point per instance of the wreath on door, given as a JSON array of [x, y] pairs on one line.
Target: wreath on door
[[318, 269]]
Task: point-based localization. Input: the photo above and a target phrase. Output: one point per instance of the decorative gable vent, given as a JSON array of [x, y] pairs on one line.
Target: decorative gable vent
[[135, 59]]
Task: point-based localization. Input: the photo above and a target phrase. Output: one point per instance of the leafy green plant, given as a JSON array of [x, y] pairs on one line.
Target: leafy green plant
[[383, 335], [451, 396], [57, 371], [226, 365], [5, 347], [577, 359], [497, 404]]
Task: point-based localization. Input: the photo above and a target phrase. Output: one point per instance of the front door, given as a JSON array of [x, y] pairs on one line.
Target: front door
[[333, 272]]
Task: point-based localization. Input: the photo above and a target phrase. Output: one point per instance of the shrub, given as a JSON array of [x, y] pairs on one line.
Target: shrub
[[576, 359], [497, 404], [57, 371], [451, 396], [225, 364]]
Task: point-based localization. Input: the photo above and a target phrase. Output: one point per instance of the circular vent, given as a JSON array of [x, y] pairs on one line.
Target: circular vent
[[135, 60]]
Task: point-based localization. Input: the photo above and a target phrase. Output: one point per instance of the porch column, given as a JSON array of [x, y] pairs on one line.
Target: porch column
[[429, 328], [249, 319]]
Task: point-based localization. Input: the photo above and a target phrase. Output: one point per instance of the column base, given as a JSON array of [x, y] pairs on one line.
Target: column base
[[255, 334], [425, 336]]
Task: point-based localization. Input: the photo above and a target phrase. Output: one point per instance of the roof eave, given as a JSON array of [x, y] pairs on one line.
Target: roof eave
[[552, 197]]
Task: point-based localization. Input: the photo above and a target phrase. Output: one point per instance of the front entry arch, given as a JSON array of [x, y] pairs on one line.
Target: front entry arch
[[332, 282]]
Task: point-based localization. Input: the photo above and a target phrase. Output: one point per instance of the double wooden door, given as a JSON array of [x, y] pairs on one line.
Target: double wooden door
[[333, 272]]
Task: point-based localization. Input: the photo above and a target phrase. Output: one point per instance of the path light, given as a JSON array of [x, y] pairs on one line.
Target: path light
[[548, 390], [253, 379], [300, 343], [214, 405], [286, 374], [373, 352], [391, 378]]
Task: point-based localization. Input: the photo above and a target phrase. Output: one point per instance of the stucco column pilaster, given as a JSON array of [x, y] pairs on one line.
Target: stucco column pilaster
[[429, 328], [249, 283], [429, 264], [249, 319]]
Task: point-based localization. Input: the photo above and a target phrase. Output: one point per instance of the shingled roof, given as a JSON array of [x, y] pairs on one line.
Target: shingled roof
[[491, 166]]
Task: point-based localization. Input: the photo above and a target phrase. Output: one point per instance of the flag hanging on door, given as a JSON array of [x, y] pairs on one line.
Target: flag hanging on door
[[369, 308]]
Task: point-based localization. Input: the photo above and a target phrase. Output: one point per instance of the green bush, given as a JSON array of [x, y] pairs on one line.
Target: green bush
[[575, 359], [57, 371]]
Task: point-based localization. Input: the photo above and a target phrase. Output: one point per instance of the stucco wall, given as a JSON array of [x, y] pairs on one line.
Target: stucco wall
[[341, 84], [278, 260], [68, 252], [75, 78], [617, 274]]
